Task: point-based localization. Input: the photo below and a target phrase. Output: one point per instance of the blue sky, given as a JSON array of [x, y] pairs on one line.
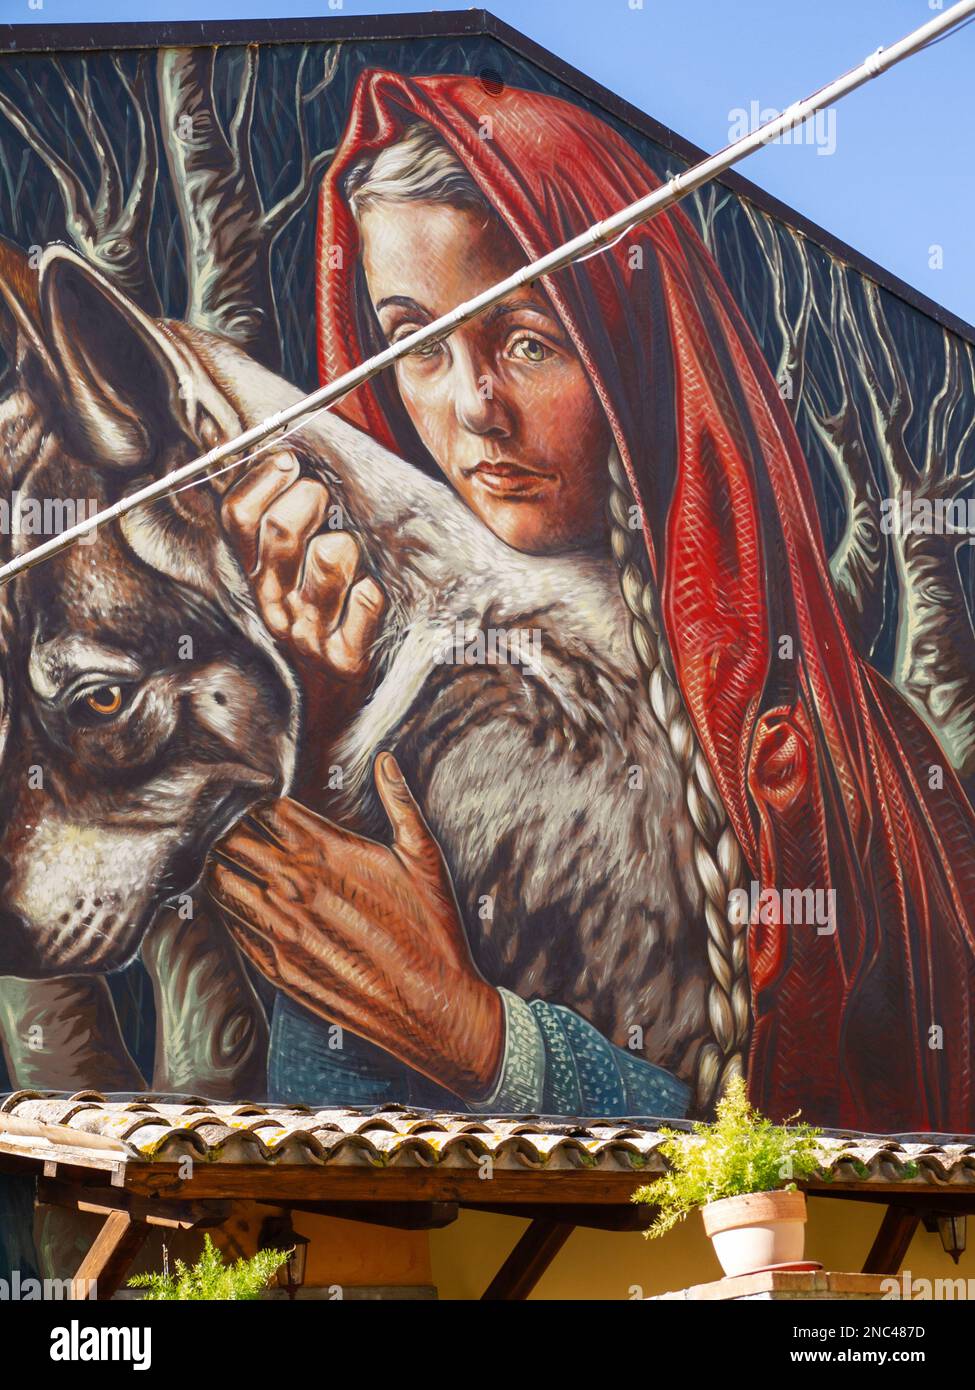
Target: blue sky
[[901, 178]]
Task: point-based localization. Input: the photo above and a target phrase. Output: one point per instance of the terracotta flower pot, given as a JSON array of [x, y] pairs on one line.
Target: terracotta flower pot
[[757, 1230]]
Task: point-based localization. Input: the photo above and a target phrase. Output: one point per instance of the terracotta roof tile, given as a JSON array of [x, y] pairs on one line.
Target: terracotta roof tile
[[166, 1129]]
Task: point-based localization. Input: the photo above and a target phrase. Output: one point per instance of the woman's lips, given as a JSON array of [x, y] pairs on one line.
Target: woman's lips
[[504, 479]]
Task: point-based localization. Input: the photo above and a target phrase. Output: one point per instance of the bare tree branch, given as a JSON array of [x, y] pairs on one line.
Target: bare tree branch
[[108, 199], [281, 214], [934, 663], [330, 68], [858, 562], [137, 213], [229, 234], [792, 329], [78, 211], [707, 203], [239, 135], [113, 234]]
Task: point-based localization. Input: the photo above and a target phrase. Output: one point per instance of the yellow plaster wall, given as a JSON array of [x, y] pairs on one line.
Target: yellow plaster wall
[[601, 1265], [343, 1253], [461, 1259]]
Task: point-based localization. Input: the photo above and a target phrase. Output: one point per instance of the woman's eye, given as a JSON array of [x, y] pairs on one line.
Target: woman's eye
[[530, 349], [105, 701], [427, 351]]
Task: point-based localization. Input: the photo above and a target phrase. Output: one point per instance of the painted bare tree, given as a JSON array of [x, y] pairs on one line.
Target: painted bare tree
[[934, 663], [109, 224], [849, 380], [227, 230], [813, 373], [858, 563], [791, 326]]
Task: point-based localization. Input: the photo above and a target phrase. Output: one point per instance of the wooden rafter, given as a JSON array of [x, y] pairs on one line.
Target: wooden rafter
[[528, 1261]]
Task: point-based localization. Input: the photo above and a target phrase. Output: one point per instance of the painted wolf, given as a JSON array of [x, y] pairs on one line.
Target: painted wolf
[[146, 706]]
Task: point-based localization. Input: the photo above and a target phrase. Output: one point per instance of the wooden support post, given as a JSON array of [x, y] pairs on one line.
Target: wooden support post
[[529, 1260], [893, 1240], [107, 1262]]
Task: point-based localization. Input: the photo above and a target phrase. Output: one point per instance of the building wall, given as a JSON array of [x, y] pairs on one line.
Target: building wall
[[810, 705], [460, 1260], [602, 1265]]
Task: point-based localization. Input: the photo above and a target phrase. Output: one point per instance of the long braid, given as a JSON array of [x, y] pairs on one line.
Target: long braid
[[718, 860]]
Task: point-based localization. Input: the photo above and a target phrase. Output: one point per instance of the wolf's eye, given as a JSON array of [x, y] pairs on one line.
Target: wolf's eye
[[104, 700]]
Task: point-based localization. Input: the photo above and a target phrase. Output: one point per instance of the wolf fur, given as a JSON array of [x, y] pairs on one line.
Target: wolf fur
[[550, 785]]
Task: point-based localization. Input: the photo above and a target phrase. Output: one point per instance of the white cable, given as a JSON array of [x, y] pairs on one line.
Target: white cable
[[249, 458]]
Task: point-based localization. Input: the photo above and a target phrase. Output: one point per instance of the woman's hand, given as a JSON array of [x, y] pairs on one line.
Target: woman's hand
[[311, 594], [305, 583], [367, 936]]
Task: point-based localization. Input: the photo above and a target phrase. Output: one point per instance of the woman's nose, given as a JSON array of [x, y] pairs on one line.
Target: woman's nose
[[478, 403]]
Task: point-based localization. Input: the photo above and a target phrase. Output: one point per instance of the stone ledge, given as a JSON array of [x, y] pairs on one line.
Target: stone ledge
[[786, 1284]]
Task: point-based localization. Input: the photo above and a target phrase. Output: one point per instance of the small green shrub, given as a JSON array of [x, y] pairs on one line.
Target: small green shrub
[[740, 1152], [211, 1278]]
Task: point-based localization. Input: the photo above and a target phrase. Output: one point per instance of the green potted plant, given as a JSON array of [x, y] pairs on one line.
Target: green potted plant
[[741, 1171], [211, 1277]]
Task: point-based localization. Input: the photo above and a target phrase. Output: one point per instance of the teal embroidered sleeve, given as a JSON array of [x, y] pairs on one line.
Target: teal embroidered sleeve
[[557, 1063]]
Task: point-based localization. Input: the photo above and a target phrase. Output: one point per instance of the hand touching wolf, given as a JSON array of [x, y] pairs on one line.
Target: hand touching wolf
[[309, 585], [367, 936]]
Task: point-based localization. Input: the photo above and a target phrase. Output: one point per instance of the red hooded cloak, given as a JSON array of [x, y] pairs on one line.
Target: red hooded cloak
[[823, 768]]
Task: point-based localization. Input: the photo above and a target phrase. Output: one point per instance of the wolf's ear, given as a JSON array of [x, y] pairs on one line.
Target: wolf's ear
[[21, 333], [129, 392]]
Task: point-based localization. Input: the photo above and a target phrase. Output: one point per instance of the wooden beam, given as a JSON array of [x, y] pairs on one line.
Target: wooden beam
[[628, 1217], [529, 1260], [927, 1198], [867, 1189], [107, 1262], [182, 1216], [82, 1165], [892, 1240], [401, 1216], [279, 1183]]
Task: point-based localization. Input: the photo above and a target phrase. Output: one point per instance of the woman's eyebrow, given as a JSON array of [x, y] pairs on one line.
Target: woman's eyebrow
[[515, 306], [402, 301]]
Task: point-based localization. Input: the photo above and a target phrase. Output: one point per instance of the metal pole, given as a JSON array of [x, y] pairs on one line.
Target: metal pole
[[593, 239]]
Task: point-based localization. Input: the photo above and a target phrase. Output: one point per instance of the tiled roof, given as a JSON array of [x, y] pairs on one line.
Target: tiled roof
[[169, 1128]]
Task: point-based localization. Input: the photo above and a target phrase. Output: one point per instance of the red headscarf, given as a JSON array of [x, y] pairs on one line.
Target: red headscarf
[[823, 769]]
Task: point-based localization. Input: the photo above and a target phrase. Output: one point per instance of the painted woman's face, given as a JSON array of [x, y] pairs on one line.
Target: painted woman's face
[[504, 405]]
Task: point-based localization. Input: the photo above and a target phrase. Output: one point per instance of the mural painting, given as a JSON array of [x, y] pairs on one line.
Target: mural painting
[[567, 721]]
